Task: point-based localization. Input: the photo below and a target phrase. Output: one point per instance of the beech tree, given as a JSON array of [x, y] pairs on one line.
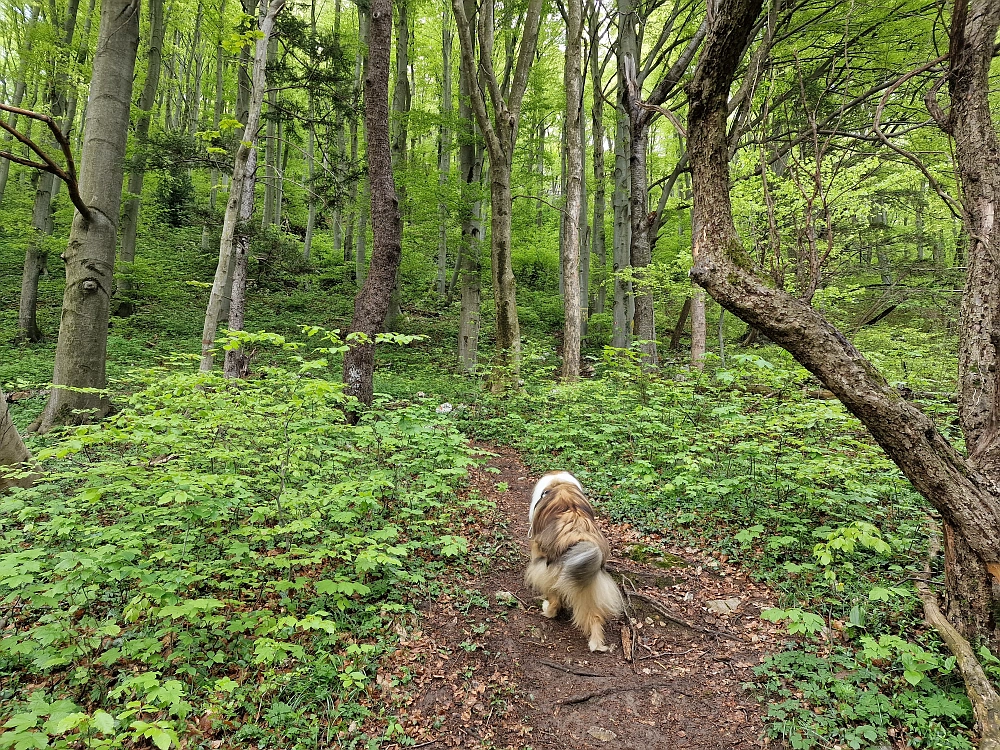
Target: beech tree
[[500, 133], [372, 301], [243, 170], [81, 352], [964, 489]]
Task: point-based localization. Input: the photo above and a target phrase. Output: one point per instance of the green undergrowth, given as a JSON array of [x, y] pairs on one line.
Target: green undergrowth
[[751, 461], [221, 562]]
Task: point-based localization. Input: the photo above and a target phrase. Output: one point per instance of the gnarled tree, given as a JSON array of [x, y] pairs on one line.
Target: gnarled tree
[[964, 490]]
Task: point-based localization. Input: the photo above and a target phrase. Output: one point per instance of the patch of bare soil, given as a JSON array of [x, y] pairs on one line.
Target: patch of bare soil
[[485, 669]]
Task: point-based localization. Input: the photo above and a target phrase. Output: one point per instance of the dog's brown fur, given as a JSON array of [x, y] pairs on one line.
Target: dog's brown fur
[[568, 553]]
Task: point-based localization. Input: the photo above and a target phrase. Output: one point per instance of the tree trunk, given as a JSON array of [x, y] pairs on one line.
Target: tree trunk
[[13, 453], [699, 330], [137, 169], [640, 250], [573, 84], [372, 302], [19, 88], [361, 240], [35, 259], [501, 137], [444, 155], [223, 273], [675, 338], [271, 148], [598, 233], [621, 336], [964, 492], [402, 96], [237, 364], [90, 253], [470, 158]]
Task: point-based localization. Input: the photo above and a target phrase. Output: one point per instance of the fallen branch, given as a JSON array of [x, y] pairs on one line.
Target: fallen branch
[[663, 612], [568, 669], [611, 691]]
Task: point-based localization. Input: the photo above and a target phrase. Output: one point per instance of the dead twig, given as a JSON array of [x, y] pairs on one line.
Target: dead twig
[[570, 670], [611, 691], [663, 612]]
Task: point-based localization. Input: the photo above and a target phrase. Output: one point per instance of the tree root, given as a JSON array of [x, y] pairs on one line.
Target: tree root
[[570, 670], [984, 697]]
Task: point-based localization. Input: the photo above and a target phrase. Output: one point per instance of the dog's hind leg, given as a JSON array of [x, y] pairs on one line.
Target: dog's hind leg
[[550, 607], [596, 624]]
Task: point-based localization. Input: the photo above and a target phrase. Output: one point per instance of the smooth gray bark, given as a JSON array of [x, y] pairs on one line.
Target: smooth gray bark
[[242, 162], [573, 239], [90, 254]]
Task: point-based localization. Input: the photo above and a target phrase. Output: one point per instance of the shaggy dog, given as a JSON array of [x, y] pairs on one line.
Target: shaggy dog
[[568, 553]]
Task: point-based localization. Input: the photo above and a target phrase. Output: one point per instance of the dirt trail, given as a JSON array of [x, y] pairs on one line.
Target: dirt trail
[[487, 670]]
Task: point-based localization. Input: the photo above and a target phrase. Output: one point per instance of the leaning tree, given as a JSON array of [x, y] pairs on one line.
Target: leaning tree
[[964, 489]]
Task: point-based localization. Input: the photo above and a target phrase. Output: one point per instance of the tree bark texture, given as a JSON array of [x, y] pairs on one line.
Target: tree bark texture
[[470, 162], [444, 155], [223, 277], [598, 233], [90, 253], [372, 302], [237, 363], [964, 492], [137, 169], [573, 84]]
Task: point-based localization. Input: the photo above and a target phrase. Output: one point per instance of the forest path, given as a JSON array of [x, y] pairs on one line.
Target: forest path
[[487, 670]]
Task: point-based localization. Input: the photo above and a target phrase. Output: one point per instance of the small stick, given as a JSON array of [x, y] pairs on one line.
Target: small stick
[[612, 691], [661, 610], [570, 670]]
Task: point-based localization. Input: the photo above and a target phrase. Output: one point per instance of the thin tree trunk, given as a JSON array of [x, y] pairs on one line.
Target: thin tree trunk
[[137, 168], [237, 364], [223, 273], [598, 232], [621, 336], [470, 158], [675, 338], [19, 88], [271, 148], [444, 153], [90, 253], [372, 301], [573, 84], [35, 259], [402, 96]]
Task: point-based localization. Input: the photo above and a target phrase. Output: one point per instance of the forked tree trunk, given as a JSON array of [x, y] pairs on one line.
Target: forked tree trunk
[[372, 302], [965, 492], [137, 169], [90, 254], [573, 84], [501, 136], [223, 273]]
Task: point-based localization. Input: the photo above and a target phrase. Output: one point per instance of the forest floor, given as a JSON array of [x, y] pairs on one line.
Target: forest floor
[[484, 669]]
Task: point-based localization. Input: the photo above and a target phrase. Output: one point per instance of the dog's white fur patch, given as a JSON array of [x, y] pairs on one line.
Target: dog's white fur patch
[[543, 484]]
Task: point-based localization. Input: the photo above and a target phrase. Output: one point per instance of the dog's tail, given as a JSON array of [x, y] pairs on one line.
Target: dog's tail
[[581, 564]]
